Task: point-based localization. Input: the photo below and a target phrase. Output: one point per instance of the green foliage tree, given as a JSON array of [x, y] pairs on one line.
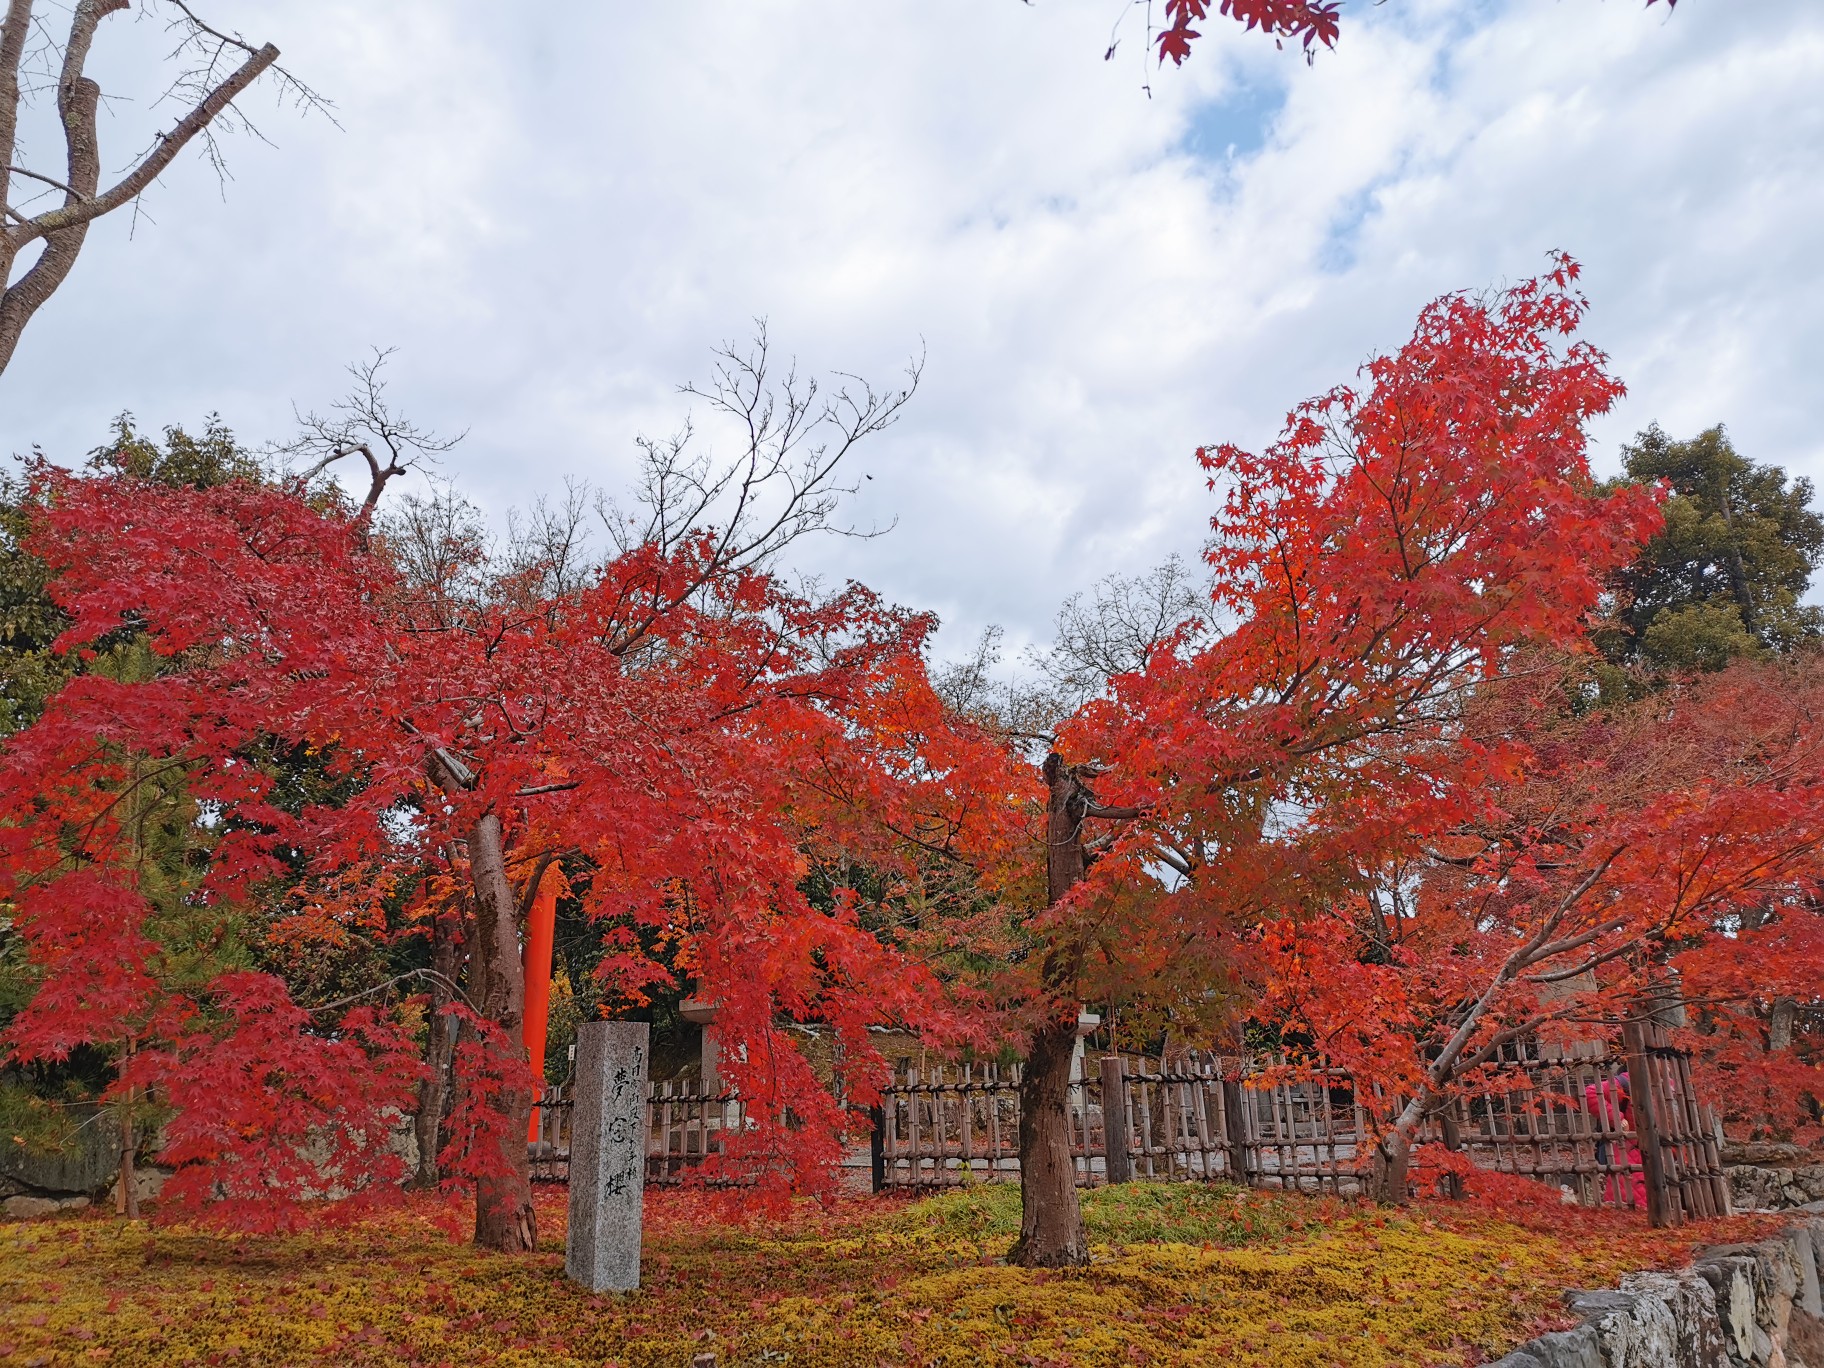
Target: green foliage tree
[[1726, 577]]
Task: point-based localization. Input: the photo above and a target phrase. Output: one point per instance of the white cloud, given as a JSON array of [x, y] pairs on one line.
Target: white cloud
[[556, 217]]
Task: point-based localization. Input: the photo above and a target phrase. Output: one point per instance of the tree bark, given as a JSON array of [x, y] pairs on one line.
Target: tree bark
[[440, 1049], [64, 228], [1388, 1172], [1051, 1219], [504, 1218], [1391, 1162]]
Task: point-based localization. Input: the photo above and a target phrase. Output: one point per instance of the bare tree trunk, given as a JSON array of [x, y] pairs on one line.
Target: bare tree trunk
[[504, 1218], [1051, 1219], [440, 1049]]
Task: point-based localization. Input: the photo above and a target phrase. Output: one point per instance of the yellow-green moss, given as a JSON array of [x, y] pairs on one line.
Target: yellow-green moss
[[1180, 1275]]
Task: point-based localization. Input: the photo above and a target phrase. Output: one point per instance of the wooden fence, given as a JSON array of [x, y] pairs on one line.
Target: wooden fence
[[1680, 1150], [1623, 1130], [682, 1129], [1617, 1129]]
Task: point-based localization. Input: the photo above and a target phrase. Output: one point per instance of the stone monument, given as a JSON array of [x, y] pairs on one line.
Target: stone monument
[[607, 1156]]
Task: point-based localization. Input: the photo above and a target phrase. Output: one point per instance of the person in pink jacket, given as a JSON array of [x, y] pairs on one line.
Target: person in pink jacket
[[1610, 1103]]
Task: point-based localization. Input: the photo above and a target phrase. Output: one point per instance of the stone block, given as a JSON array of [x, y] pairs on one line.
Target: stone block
[[607, 1155], [25, 1208], [1777, 1286], [1732, 1274], [1635, 1328], [1595, 1305], [1691, 1302], [1805, 1340], [1804, 1249], [1579, 1348]]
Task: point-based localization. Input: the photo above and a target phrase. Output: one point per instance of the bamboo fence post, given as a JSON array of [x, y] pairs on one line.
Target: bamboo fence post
[[916, 1163], [877, 1147], [1646, 1125], [1200, 1111]]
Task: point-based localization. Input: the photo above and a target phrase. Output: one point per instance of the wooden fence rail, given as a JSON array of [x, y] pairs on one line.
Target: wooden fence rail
[[683, 1128], [1619, 1129]]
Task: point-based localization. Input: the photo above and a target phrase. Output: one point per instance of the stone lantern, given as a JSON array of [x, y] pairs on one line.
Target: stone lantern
[[1087, 1022]]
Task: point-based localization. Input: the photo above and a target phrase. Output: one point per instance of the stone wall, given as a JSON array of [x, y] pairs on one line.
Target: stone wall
[[38, 1184], [1737, 1306], [1773, 1177], [85, 1165]]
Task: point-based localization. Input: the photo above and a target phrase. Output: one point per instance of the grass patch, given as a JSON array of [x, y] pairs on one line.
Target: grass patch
[[1182, 1274]]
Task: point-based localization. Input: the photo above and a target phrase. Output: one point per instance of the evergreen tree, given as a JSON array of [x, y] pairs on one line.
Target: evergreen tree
[[1726, 576]]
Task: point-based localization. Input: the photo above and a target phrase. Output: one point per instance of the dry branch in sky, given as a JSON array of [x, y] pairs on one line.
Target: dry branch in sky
[[212, 70]]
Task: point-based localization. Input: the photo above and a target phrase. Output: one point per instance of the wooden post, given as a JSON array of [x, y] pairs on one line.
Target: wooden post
[[966, 1101], [127, 1195], [1453, 1141], [916, 1166], [541, 927], [1237, 1126], [1114, 1120], [1660, 1211], [877, 1146]]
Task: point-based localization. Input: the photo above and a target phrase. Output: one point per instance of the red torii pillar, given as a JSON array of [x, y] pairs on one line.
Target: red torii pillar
[[541, 927]]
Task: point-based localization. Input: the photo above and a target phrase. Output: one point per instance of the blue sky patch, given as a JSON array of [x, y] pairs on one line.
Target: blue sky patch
[[1237, 125]]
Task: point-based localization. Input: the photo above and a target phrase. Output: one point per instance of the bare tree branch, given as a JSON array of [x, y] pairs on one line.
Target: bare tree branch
[[363, 423], [207, 88], [781, 486]]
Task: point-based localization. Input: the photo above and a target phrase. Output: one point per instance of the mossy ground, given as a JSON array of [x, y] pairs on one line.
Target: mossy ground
[[1182, 1274]]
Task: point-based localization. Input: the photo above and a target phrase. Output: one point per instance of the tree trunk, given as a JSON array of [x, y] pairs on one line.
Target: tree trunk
[[1051, 1219], [127, 1202], [1392, 1159], [504, 1218], [1453, 1141], [1388, 1171], [440, 1049]]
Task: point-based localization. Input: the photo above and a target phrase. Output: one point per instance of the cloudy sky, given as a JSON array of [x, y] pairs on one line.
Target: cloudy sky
[[556, 212]]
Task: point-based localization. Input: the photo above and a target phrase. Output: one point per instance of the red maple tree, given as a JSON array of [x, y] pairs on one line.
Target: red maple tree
[[1659, 857], [1398, 546], [667, 718]]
